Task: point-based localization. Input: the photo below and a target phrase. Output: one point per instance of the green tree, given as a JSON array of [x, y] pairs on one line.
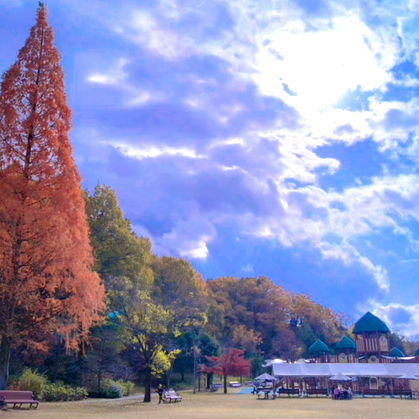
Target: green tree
[[255, 303], [177, 286], [146, 326], [195, 346], [123, 260], [117, 250]]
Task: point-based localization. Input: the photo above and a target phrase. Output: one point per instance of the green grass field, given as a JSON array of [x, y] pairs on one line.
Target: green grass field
[[220, 406]]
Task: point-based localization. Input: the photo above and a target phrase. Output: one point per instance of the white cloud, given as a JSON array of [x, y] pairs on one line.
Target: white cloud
[[115, 75], [147, 31], [409, 326], [152, 152], [272, 46], [248, 268], [349, 255], [187, 238]]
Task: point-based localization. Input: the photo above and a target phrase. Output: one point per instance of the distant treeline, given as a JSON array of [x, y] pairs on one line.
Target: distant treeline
[[162, 316]]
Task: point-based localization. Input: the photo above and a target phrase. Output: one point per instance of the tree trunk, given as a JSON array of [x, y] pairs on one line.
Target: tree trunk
[[194, 369], [169, 376], [4, 361], [210, 376], [147, 386], [99, 380], [225, 384]]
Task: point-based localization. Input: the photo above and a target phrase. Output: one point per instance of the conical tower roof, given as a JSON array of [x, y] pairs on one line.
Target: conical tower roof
[[346, 343], [397, 352], [370, 323], [318, 347]]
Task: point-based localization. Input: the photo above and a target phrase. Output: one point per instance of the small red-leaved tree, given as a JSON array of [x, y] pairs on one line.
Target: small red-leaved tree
[[230, 363], [46, 280]]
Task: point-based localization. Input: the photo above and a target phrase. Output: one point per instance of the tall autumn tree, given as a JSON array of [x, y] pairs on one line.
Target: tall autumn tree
[[46, 280]]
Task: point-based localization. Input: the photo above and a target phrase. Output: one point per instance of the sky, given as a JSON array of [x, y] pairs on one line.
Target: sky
[[269, 137]]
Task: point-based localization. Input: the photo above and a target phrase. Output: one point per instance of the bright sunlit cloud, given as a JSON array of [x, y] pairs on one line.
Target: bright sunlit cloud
[[321, 66], [152, 152]]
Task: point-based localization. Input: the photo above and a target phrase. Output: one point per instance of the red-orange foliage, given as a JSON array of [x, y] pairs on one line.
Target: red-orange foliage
[[46, 279], [230, 363]]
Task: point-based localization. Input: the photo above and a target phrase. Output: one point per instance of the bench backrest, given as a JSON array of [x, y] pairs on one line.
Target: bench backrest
[[16, 395], [373, 391], [171, 393]]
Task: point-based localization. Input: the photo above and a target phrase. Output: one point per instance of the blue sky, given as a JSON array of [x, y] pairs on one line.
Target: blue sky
[[270, 137]]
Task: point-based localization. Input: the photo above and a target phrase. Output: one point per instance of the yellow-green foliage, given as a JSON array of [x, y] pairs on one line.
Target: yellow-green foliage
[[162, 361], [32, 381], [127, 387], [60, 392]]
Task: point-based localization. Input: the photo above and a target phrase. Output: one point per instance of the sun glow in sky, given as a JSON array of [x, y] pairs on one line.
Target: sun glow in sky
[[277, 137], [320, 67]]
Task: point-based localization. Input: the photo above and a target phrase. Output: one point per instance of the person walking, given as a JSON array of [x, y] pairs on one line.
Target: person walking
[[160, 391]]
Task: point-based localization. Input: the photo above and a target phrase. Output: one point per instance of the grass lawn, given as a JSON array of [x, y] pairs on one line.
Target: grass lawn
[[220, 406]]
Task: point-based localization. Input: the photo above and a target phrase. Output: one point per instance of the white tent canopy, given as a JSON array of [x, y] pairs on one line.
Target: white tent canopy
[[265, 377], [410, 377], [352, 370], [340, 377], [401, 358], [269, 362]]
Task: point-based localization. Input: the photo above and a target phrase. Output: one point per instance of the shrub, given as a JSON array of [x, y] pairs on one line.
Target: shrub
[[60, 392], [113, 389], [32, 381], [98, 394], [127, 387], [114, 392]]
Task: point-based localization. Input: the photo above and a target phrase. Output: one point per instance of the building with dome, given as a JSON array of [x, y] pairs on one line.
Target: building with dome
[[373, 367]]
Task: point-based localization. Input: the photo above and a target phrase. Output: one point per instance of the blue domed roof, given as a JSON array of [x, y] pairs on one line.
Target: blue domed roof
[[370, 323], [318, 347], [397, 352], [346, 343]]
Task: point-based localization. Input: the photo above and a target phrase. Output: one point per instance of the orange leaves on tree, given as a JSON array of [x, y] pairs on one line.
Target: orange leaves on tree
[[46, 279]]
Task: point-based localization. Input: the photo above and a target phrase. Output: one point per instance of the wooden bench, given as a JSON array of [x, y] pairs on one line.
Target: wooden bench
[[18, 398], [396, 392], [289, 391], [235, 384], [373, 392], [317, 391], [215, 387], [171, 396], [403, 393]]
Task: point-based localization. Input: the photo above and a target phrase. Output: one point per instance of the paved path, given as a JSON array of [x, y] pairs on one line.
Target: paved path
[[133, 397]]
